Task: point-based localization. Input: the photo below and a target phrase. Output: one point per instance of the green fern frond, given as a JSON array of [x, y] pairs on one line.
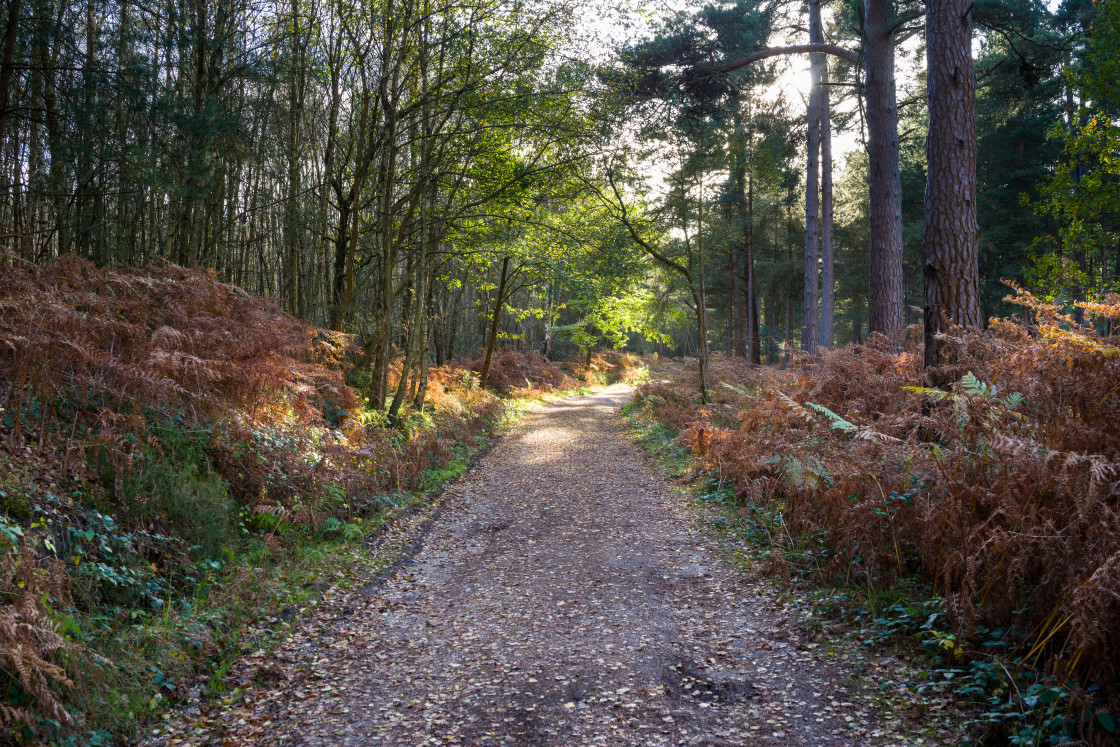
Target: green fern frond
[[794, 404], [737, 390], [837, 422], [976, 388], [1011, 402]]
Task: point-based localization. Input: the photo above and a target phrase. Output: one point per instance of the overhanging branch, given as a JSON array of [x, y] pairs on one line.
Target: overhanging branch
[[763, 54]]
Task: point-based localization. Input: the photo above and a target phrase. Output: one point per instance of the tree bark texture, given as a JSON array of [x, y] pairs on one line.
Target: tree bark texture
[[828, 277], [751, 297], [949, 244], [740, 305], [700, 298], [885, 185], [810, 295]]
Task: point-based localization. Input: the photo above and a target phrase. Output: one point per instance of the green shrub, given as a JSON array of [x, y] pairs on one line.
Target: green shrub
[[176, 493], [14, 502]]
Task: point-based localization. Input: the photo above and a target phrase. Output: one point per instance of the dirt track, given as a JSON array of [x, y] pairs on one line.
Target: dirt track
[[564, 597]]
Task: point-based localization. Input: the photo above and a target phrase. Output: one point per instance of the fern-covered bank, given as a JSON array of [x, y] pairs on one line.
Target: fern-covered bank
[[184, 468], [981, 524]]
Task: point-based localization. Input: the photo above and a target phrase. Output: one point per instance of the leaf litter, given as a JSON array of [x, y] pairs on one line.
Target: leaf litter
[[566, 595]]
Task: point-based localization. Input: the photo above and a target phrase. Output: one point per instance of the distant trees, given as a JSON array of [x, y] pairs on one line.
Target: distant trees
[[1080, 197], [885, 266], [374, 165], [341, 157]]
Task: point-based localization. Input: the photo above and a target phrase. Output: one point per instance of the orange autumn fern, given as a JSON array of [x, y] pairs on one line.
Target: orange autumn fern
[[1003, 492], [32, 651]]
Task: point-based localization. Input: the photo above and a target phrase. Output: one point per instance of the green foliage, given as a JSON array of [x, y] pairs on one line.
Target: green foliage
[[610, 320], [188, 503], [1082, 195], [14, 502], [838, 423]]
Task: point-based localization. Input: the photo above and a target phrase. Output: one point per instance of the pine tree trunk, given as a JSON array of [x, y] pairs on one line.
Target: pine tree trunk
[[700, 298], [732, 260], [828, 278], [789, 279], [951, 272], [740, 181], [751, 298], [885, 185], [769, 312], [810, 295]]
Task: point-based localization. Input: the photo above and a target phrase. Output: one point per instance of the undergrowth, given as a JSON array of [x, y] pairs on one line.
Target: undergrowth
[[183, 465], [977, 523]]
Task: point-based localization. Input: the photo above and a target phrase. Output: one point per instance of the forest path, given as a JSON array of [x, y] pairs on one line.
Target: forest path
[[564, 597]]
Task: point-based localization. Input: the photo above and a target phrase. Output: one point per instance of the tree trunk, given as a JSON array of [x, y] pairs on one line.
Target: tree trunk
[[810, 297], [418, 332], [494, 322], [292, 286], [700, 298], [885, 185], [7, 60], [751, 298], [338, 287], [732, 260], [789, 278], [738, 302], [949, 244], [769, 322], [828, 280]]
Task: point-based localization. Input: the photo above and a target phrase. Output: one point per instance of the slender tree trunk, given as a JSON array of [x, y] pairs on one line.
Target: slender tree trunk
[[738, 302], [810, 294], [495, 318], [292, 228], [56, 138], [951, 271], [700, 298], [341, 250], [885, 185], [732, 256], [7, 61], [418, 332], [789, 279], [769, 321], [751, 298], [828, 280], [425, 356]]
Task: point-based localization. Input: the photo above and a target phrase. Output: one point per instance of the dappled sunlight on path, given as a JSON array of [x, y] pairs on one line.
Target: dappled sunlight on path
[[564, 597]]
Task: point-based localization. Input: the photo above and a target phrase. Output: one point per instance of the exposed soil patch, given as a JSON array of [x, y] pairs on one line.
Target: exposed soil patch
[[562, 598]]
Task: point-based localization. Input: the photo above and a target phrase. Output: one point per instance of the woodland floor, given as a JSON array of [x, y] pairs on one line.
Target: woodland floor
[[565, 596]]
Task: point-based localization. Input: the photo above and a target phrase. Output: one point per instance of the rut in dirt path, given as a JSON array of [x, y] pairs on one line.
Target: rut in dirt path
[[564, 597]]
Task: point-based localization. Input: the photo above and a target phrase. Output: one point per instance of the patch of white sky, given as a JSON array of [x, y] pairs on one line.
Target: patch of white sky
[[600, 26]]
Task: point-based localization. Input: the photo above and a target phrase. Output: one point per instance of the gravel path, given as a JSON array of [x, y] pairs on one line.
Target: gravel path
[[564, 597]]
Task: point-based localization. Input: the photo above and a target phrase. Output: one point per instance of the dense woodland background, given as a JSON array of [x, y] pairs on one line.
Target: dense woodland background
[[279, 264], [348, 159]]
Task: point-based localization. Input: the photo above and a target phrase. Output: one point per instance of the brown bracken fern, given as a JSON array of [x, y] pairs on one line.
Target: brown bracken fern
[[1003, 492]]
